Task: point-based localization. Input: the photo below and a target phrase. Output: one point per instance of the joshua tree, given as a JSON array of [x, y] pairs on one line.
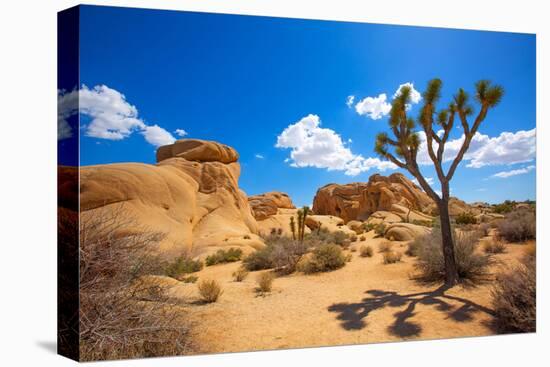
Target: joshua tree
[[302, 216], [437, 126], [293, 227]]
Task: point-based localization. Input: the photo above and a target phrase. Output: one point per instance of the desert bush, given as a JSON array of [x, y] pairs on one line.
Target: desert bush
[[353, 249], [210, 290], [380, 229], [348, 258], [518, 226], [120, 316], [224, 256], [353, 238], [391, 257], [514, 298], [259, 260], [326, 257], [505, 207], [414, 246], [366, 251], [471, 265], [362, 238], [465, 218], [265, 282], [339, 238], [384, 246], [421, 222], [494, 247], [484, 228], [240, 274], [368, 227], [182, 265], [189, 279]]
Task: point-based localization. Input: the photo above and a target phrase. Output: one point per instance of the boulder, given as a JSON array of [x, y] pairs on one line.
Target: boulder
[[266, 205], [358, 201], [405, 231], [356, 226], [328, 222], [339, 200], [198, 151], [189, 197]]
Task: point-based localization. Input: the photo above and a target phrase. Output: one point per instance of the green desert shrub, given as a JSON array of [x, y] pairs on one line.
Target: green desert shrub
[[326, 257], [265, 282], [465, 218], [224, 256], [471, 265], [494, 247], [339, 238], [391, 257], [210, 290], [505, 207], [240, 274], [518, 226], [259, 260], [514, 298], [365, 251], [380, 229], [280, 253], [182, 265]]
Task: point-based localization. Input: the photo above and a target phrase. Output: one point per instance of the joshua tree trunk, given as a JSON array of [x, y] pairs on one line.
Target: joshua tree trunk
[[451, 272]]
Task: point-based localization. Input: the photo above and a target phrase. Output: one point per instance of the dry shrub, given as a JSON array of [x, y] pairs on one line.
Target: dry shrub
[[414, 246], [514, 298], [182, 265], [380, 229], [518, 226], [326, 257], [348, 258], [240, 274], [494, 247], [385, 246], [189, 279], [471, 265], [280, 253], [362, 238], [210, 290], [484, 228], [224, 256], [366, 251], [353, 249], [121, 317], [265, 282], [391, 257]]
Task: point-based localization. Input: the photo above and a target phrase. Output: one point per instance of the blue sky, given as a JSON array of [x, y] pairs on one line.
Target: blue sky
[[243, 80]]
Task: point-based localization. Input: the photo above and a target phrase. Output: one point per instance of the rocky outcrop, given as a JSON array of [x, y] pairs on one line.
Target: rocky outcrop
[[339, 200], [191, 196], [358, 201], [266, 205], [405, 231]]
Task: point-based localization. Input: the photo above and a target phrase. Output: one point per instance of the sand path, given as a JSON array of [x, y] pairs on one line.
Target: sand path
[[364, 302]]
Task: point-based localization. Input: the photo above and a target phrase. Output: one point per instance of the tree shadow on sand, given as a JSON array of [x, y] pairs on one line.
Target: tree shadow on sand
[[353, 315]]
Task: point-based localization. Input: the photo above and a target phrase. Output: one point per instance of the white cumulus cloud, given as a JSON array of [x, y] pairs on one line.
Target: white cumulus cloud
[[259, 156], [504, 149], [314, 146], [378, 107], [429, 180], [374, 107], [111, 116], [514, 172]]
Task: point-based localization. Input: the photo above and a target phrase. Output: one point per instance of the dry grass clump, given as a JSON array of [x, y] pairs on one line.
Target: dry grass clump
[[380, 229], [189, 279], [471, 265], [484, 228], [518, 226], [366, 251], [514, 298], [362, 238], [385, 246], [415, 245], [391, 257], [120, 316], [326, 257], [210, 290], [265, 282], [240, 274], [224, 256], [494, 247]]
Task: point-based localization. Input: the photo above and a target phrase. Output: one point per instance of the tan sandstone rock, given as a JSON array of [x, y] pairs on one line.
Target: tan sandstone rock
[[266, 205], [405, 231], [188, 196]]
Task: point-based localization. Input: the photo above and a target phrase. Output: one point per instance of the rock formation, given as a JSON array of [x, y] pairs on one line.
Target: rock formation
[[191, 195], [358, 201], [266, 205]]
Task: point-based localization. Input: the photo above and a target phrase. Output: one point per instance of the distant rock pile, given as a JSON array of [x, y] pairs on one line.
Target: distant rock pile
[[267, 205]]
